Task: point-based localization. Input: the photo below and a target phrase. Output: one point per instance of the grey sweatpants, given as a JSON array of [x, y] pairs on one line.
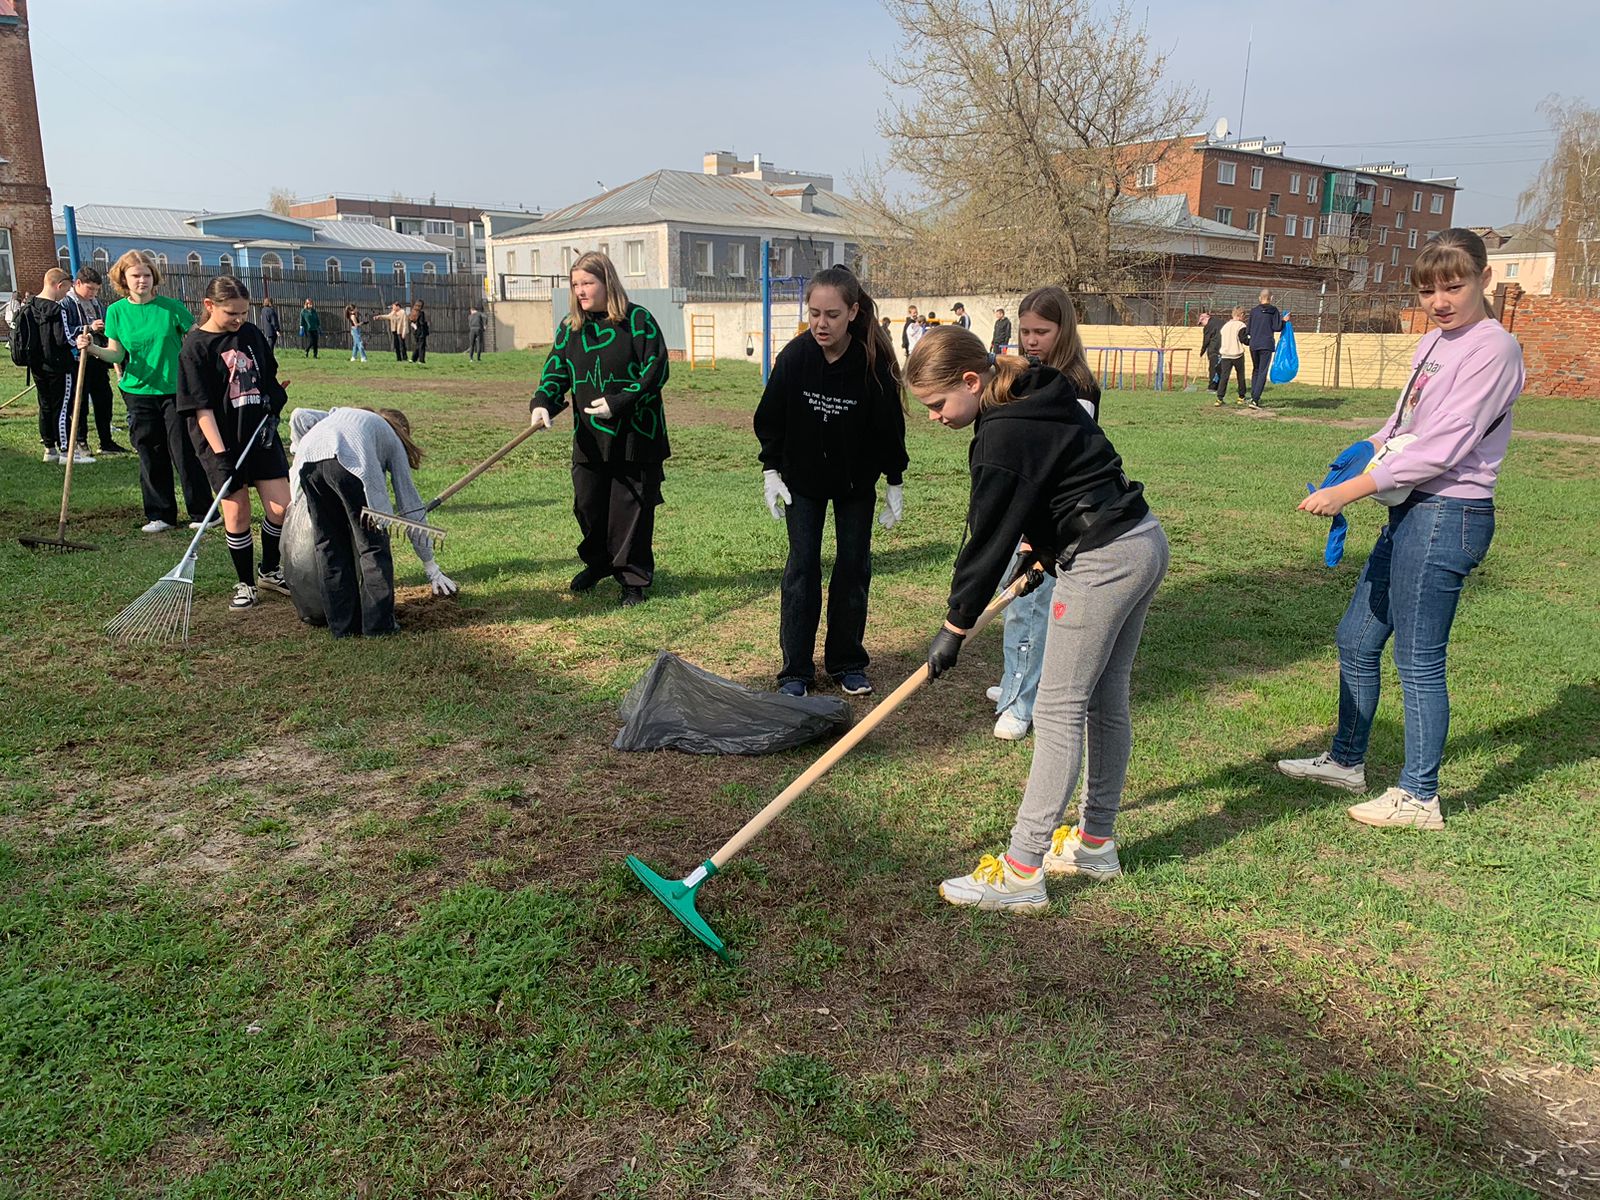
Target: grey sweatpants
[[1096, 620]]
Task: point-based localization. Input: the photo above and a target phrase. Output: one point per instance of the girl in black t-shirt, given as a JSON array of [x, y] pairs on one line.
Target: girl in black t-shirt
[[227, 385], [830, 423]]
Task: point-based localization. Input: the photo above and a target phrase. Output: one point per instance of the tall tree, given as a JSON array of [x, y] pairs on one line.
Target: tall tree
[[1566, 195], [279, 199], [1019, 121]]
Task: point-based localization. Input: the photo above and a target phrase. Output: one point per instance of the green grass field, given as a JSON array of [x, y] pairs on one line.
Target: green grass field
[[281, 916]]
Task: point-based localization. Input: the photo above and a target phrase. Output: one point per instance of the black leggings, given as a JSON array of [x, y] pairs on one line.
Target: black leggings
[[355, 570], [1226, 366], [312, 338]]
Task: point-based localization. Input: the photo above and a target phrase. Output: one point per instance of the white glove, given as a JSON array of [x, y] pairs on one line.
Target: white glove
[[539, 418], [600, 408], [775, 492], [894, 506], [443, 585]]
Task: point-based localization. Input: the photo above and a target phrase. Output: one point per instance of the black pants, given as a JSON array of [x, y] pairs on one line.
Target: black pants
[[1212, 359], [48, 390], [162, 443], [355, 570], [1226, 367], [848, 584], [419, 349], [475, 344], [96, 392], [1260, 362], [399, 346], [616, 511], [311, 339]]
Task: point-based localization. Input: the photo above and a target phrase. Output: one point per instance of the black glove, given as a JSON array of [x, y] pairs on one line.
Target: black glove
[[1031, 571], [943, 652], [227, 462]]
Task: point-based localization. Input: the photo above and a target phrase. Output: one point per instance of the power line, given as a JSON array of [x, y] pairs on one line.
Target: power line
[[1464, 137]]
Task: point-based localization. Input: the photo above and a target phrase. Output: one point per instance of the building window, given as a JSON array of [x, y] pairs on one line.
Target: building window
[[1377, 273], [1411, 240], [8, 266], [194, 259], [298, 262], [1294, 184], [703, 262], [102, 258], [331, 267], [1255, 178], [1269, 245], [633, 257], [1394, 257], [271, 266], [1252, 219], [1383, 236], [511, 262], [1416, 201], [1272, 204], [783, 261], [1436, 204], [1512, 270], [533, 262], [224, 263], [438, 228], [1407, 276], [1305, 260], [429, 269], [1147, 175], [399, 272], [1225, 215], [1291, 225], [1400, 220], [1311, 189], [1227, 172], [1388, 193], [1288, 258], [161, 260], [605, 248], [63, 258], [369, 273], [736, 260]]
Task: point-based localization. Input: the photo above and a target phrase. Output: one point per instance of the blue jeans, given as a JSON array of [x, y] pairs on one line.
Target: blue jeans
[[358, 348], [1409, 588], [801, 604], [1027, 623]]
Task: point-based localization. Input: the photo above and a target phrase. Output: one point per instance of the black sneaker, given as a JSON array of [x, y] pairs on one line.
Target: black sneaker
[[793, 687], [585, 579], [631, 596], [112, 448]]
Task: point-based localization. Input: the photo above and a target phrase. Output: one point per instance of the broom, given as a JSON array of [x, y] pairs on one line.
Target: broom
[[162, 613], [59, 542], [385, 520]]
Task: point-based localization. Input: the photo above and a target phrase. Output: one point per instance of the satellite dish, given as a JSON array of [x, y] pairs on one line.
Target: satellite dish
[[1219, 131]]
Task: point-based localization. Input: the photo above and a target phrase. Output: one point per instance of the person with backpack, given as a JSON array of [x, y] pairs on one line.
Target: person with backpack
[[39, 344], [82, 309]]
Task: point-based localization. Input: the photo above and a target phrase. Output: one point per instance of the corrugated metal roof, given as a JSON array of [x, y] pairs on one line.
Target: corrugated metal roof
[[1172, 213], [120, 220], [694, 198]]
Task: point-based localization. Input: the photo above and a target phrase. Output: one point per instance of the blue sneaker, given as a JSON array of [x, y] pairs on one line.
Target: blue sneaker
[[855, 683], [794, 687]]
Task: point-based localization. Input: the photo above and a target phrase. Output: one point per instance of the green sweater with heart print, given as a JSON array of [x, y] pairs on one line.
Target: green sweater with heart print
[[626, 362]]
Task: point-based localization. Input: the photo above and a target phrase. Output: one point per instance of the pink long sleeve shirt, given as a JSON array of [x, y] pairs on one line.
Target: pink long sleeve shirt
[[1470, 377]]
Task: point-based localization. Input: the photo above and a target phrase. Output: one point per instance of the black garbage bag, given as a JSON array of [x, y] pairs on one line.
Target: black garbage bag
[[679, 706], [297, 550]]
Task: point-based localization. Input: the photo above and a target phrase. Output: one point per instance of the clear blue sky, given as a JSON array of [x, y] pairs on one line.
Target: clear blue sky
[[501, 102]]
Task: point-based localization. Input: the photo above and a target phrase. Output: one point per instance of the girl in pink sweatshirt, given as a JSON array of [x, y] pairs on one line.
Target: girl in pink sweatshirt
[[1455, 419]]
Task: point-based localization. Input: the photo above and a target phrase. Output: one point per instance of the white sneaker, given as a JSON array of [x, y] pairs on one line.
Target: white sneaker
[[1069, 855], [1399, 807], [155, 527], [1011, 729], [995, 886], [81, 456], [1323, 769], [994, 695], [244, 596], [216, 520], [52, 455]]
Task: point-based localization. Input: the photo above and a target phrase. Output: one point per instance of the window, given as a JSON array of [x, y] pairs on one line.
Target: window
[[161, 260], [1512, 269], [1416, 201], [1294, 184], [1408, 275], [1272, 204], [1288, 258], [1400, 220], [399, 272], [429, 269], [1377, 273], [1387, 194], [194, 259], [298, 262], [271, 266], [331, 268], [8, 266], [1225, 215], [1269, 245], [736, 260], [63, 258], [1227, 172], [1383, 236], [1436, 204], [1147, 175], [533, 262], [703, 262], [783, 260], [511, 262], [633, 257], [1255, 178], [1394, 257], [1252, 219], [224, 263], [1305, 260], [1411, 240], [368, 272], [1311, 189], [1291, 225], [605, 248], [445, 228]]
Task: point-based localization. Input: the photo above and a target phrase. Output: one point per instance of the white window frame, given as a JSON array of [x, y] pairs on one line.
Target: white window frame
[[297, 262], [1436, 204], [1383, 235], [1273, 201], [1400, 219], [1311, 188], [1224, 214], [1269, 245], [1408, 275], [63, 260], [1294, 183], [633, 257], [333, 270], [785, 265], [1256, 176], [1411, 240], [271, 266], [429, 269], [1394, 257], [1291, 226], [1147, 175], [736, 257], [1513, 270], [511, 262], [194, 258], [1227, 173], [1252, 219], [224, 263], [1305, 260], [1416, 201], [8, 264], [439, 228], [1377, 273], [533, 261], [369, 271], [398, 273], [161, 260], [605, 248], [705, 258], [1388, 195]]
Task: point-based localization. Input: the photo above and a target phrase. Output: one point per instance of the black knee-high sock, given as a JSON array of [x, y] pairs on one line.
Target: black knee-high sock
[[240, 549], [270, 535]]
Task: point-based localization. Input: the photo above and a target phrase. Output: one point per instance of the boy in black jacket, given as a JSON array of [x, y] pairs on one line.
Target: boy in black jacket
[[1261, 326], [42, 343]]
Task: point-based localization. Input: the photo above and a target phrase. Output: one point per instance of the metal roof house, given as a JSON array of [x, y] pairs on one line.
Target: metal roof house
[[252, 241], [689, 230]]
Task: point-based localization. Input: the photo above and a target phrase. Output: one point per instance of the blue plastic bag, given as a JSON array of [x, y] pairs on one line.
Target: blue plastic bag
[[1286, 359]]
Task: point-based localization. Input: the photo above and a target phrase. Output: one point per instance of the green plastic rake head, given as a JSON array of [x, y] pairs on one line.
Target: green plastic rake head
[[678, 896]]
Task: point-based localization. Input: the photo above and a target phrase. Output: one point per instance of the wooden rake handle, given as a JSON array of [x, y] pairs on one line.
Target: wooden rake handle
[[72, 440], [853, 738], [481, 468]]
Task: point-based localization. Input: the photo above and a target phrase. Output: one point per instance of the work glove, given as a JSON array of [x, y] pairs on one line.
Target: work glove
[[775, 491], [443, 585], [894, 506], [600, 408], [539, 418], [228, 462], [1032, 572], [944, 650]]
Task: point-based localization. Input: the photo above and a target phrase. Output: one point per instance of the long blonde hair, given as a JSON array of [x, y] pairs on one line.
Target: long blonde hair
[[947, 352], [602, 268]]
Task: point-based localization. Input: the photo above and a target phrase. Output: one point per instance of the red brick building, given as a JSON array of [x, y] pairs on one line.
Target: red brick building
[[27, 243], [1374, 219]]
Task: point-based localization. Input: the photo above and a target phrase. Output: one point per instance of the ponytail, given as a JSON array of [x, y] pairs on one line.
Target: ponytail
[[947, 352]]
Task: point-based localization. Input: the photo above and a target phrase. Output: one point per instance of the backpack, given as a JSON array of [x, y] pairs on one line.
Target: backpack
[[27, 341]]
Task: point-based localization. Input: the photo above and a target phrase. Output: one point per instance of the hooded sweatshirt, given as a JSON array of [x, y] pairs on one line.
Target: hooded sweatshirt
[[56, 353], [1044, 472], [1264, 321]]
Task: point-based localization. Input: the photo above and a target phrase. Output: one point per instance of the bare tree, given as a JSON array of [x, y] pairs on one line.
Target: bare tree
[[1024, 124], [1566, 194], [279, 199]]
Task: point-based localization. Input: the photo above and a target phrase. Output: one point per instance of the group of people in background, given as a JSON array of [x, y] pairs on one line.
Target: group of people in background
[[1225, 337], [408, 328]]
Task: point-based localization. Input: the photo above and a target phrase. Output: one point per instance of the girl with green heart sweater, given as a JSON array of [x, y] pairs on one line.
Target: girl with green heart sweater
[[610, 355]]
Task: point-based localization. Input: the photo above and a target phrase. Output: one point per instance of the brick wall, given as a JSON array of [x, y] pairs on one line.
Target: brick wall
[[24, 193], [1560, 342]]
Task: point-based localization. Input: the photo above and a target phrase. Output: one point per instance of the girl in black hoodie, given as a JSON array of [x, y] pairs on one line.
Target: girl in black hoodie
[[830, 422], [1044, 472]]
